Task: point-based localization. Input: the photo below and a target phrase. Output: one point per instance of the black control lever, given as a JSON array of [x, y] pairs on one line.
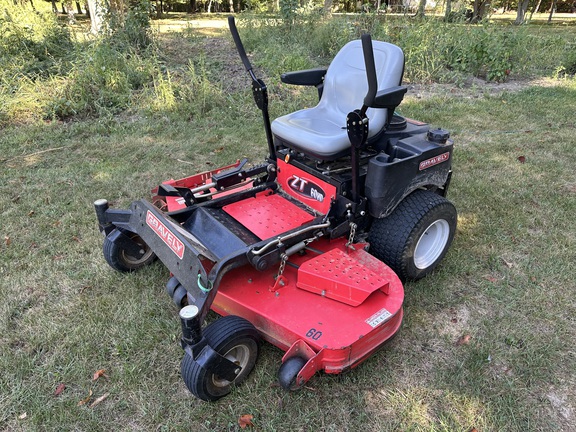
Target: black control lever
[[259, 90], [357, 121], [370, 71], [239, 45]]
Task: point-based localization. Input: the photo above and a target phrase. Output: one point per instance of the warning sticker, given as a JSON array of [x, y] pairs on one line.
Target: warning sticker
[[378, 318]]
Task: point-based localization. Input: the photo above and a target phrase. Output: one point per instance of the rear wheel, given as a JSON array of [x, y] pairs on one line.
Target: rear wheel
[[121, 260], [232, 337], [416, 236]]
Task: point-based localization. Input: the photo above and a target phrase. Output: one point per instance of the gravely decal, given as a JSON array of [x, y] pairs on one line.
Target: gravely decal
[[434, 161], [165, 234], [306, 188]]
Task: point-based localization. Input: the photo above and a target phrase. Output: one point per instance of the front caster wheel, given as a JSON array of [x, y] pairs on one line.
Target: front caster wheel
[[232, 337], [288, 373], [416, 236], [121, 260]]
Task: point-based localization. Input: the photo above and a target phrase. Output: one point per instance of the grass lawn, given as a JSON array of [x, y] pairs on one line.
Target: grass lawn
[[487, 342]]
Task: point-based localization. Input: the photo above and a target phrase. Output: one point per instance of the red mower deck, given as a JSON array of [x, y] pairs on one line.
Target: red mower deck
[[340, 330]]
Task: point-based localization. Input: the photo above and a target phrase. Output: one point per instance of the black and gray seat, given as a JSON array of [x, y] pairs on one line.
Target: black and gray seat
[[320, 132]]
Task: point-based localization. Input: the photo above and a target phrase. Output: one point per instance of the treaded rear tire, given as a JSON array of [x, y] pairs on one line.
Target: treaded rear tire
[[420, 216], [236, 339]]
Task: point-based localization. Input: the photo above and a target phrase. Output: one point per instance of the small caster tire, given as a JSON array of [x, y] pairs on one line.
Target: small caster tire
[[180, 296], [234, 338], [171, 286], [120, 260], [288, 373]]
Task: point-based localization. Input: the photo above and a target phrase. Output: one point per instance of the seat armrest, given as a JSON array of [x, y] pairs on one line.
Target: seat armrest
[[309, 77], [389, 98]]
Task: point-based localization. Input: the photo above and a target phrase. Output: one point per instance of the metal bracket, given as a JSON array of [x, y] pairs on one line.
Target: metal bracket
[[357, 128], [124, 242], [212, 361]]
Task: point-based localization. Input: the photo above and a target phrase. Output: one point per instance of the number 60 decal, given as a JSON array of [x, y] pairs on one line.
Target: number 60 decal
[[314, 334]]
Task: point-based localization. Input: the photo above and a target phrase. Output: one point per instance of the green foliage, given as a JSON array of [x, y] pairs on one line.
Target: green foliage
[[32, 44], [108, 71], [484, 51], [199, 94], [129, 28], [288, 11], [101, 81], [193, 95], [46, 72], [568, 66], [434, 50], [94, 78]]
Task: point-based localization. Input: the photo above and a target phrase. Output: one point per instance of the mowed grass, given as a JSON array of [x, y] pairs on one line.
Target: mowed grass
[[487, 340]]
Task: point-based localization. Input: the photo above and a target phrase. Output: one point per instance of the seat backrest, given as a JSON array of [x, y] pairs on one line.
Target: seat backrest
[[346, 84]]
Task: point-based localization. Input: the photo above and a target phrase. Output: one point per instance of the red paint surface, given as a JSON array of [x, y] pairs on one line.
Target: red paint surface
[[292, 179], [340, 334], [268, 215]]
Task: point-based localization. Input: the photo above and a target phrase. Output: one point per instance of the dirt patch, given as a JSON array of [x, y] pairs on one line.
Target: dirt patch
[[561, 406], [473, 88], [219, 54]]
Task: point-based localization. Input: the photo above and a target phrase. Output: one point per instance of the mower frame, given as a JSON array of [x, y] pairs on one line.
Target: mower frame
[[207, 228]]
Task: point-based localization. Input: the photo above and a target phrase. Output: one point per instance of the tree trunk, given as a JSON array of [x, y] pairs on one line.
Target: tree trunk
[[421, 8], [63, 10], [70, 11], [448, 10], [521, 13], [479, 9], [231, 5], [536, 9], [96, 11], [552, 10]]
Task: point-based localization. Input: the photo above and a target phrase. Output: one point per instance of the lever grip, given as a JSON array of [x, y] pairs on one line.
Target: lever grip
[[370, 70], [238, 42]]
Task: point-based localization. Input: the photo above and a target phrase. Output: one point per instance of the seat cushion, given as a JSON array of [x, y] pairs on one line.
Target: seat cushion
[[321, 131]]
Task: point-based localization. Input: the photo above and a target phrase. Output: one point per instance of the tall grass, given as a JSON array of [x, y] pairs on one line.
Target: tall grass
[[32, 44], [103, 80], [46, 72], [94, 76], [435, 51]]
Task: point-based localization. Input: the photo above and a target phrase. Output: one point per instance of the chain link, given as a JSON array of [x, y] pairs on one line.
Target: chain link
[[353, 227], [282, 264]]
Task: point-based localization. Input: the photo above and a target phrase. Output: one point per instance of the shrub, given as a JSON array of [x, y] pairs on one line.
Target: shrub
[[434, 50], [129, 27], [101, 82], [568, 64], [32, 44], [198, 95]]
